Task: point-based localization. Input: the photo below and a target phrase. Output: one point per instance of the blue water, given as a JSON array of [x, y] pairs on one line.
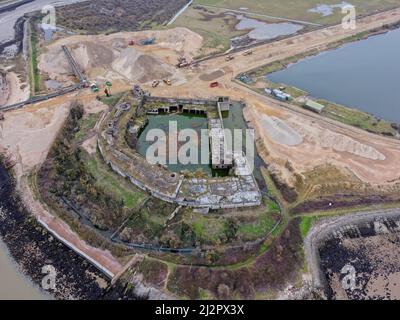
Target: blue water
[[363, 75]]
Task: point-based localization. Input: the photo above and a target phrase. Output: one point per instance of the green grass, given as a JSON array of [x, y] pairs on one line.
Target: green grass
[[113, 184], [33, 54], [86, 124], [356, 118], [298, 10], [207, 229], [306, 224], [259, 228], [216, 31], [272, 206], [112, 100]]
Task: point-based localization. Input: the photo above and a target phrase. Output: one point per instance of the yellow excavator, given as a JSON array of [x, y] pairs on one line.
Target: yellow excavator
[[167, 82]]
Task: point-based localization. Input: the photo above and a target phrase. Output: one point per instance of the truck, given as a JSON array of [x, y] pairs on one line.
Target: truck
[[214, 84], [1, 115], [155, 83], [229, 58], [167, 82], [94, 87], [248, 52], [148, 41]]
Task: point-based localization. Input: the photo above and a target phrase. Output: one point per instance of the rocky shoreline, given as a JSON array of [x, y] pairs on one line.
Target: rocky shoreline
[[33, 247]]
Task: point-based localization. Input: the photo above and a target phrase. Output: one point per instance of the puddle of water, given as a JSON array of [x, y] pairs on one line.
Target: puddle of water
[[265, 31], [327, 9]]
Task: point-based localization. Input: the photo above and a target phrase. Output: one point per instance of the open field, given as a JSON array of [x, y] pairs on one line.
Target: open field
[[299, 10], [217, 21]]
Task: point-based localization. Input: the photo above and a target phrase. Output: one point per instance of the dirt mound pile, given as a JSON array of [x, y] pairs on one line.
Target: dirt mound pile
[[110, 57], [136, 66], [183, 40], [280, 132], [92, 55], [342, 143]]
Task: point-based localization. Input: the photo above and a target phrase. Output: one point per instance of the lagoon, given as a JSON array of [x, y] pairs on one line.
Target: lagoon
[[363, 75]]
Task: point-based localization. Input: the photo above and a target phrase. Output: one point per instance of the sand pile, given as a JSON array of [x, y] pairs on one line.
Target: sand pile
[[55, 65], [280, 132], [92, 55], [136, 66], [328, 139], [110, 57], [181, 40], [342, 143]]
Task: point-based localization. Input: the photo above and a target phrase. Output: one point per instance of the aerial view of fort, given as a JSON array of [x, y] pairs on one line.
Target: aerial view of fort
[[199, 150]]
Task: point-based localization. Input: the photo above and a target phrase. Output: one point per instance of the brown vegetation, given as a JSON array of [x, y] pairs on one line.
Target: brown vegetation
[[102, 15], [270, 271]]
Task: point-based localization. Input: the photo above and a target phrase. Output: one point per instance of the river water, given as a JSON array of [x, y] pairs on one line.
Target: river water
[[363, 75], [13, 284]]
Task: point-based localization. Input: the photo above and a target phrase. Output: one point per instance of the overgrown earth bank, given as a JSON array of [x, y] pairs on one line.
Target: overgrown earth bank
[[33, 247]]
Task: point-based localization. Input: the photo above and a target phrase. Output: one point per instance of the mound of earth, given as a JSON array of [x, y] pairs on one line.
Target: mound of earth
[[110, 56], [327, 139], [280, 132], [134, 65]]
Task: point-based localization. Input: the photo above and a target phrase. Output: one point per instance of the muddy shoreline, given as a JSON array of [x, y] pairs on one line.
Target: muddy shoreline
[[33, 247], [326, 255]]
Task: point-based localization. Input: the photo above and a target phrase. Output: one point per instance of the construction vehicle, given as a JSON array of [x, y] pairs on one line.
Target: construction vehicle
[[182, 62], [1, 115], [167, 82], [107, 92], [229, 58], [214, 84], [148, 41], [248, 52], [155, 83], [94, 87]]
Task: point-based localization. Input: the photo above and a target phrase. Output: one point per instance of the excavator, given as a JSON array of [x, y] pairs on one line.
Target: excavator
[[182, 62]]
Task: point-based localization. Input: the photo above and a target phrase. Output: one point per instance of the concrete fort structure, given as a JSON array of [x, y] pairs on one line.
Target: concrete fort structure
[[238, 189]]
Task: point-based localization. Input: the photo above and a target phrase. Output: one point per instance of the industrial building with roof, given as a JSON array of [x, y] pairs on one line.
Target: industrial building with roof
[[314, 106]]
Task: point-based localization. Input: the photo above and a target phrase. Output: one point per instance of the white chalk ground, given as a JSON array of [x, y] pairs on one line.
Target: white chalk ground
[[280, 132]]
